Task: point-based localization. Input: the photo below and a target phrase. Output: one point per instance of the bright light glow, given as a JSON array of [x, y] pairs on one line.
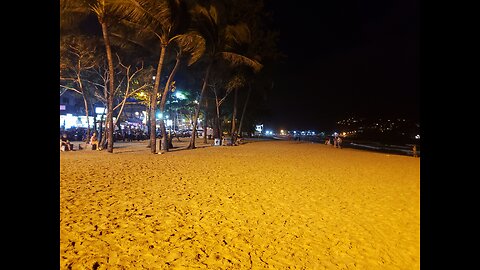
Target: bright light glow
[[417, 137], [137, 113], [159, 115], [75, 121], [100, 110], [144, 120], [169, 123], [344, 133], [180, 95]]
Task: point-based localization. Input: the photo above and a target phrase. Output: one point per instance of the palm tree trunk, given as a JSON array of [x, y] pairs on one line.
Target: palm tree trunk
[[153, 102], [234, 114], [218, 131], [147, 121], [111, 86], [197, 110], [165, 144], [244, 109], [205, 123], [101, 132]]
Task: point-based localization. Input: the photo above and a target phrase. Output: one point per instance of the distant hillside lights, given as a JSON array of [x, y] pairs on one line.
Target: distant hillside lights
[[401, 126]]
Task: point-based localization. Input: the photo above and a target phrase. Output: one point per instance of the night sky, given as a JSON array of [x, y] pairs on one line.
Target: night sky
[[345, 58]]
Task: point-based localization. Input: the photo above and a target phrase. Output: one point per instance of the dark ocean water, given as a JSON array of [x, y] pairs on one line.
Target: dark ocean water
[[399, 148]]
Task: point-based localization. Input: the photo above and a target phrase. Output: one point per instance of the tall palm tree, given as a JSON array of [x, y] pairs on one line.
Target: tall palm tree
[[105, 12], [218, 36], [191, 47], [163, 20]]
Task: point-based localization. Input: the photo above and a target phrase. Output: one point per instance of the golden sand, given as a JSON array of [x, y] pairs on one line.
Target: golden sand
[[274, 204]]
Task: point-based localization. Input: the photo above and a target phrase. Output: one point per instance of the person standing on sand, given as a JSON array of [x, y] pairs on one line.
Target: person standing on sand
[[414, 150], [339, 142]]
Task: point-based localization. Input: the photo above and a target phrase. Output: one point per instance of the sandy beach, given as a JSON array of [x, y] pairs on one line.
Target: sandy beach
[[269, 204]]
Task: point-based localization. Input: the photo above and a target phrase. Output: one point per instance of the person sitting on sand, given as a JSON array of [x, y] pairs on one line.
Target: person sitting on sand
[[94, 141], [65, 143]]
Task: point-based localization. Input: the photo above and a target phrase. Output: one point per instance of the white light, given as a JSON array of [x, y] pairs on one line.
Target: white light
[[136, 113], [100, 110], [180, 95], [417, 137], [159, 115]]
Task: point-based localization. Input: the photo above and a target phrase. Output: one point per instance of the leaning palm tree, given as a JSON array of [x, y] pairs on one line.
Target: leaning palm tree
[[191, 47], [162, 20], [219, 37]]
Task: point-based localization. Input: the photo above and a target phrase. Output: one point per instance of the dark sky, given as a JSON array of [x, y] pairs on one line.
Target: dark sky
[[345, 58]]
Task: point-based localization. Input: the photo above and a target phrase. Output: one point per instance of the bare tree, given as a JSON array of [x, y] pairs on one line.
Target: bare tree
[[77, 55]]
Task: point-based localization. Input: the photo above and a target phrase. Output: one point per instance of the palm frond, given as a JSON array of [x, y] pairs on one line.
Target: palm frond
[[207, 25], [238, 34], [71, 13], [236, 82], [237, 60], [162, 17], [191, 44]]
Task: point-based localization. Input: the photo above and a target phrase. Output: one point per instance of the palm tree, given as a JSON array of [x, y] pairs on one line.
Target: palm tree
[[105, 12], [190, 47], [217, 35], [158, 19]]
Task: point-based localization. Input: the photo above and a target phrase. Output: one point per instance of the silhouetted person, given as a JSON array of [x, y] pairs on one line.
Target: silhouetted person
[[65, 143]]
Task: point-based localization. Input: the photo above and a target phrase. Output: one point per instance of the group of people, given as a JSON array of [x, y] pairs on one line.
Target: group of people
[[337, 142], [66, 145]]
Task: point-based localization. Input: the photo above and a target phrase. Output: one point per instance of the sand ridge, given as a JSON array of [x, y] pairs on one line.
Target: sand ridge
[[274, 204]]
